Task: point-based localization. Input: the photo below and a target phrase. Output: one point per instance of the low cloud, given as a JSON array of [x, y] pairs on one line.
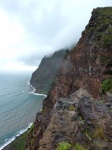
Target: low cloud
[[31, 29]]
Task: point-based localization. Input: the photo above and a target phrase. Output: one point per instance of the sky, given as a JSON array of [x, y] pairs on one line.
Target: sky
[[31, 29]]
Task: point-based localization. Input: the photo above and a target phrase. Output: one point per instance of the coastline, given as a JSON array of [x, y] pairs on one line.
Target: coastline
[[9, 141], [22, 131], [34, 91]]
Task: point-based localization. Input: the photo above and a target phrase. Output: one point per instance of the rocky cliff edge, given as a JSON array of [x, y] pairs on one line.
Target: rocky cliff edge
[[77, 113]]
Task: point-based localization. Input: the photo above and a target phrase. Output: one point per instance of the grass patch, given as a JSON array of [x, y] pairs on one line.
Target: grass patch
[[32, 142], [19, 143], [63, 146], [72, 108], [98, 145], [88, 134], [102, 29], [82, 120], [43, 110], [79, 147], [107, 85], [32, 127], [99, 133], [105, 59], [101, 101]]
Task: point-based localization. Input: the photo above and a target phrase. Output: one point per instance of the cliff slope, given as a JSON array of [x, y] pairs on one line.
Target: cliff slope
[[77, 113], [45, 74]]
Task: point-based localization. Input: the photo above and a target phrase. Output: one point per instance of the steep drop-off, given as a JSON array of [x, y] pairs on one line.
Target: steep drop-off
[[45, 74], [77, 112]]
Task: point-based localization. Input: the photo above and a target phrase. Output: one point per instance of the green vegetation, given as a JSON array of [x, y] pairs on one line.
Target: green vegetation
[[72, 108], [101, 26], [104, 15], [19, 143], [63, 146], [81, 119], [107, 39], [32, 128], [98, 35], [107, 85], [79, 147], [99, 133], [67, 146], [32, 142], [106, 59], [103, 35], [101, 101], [43, 110], [88, 134], [99, 145]]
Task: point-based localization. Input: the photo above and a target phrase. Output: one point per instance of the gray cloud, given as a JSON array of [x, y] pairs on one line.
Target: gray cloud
[[49, 24], [31, 60]]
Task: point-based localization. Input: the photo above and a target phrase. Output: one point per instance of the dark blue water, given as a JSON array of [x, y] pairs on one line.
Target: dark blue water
[[18, 108]]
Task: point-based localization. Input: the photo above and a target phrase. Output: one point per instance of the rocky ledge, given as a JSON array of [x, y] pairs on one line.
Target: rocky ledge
[[78, 120]]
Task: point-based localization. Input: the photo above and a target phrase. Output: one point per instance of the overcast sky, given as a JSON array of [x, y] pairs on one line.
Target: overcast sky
[[30, 29]]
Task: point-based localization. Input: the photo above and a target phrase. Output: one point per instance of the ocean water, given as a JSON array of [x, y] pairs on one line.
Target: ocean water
[[18, 105]]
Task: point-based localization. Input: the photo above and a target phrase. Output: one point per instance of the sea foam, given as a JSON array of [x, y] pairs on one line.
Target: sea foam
[[8, 141], [33, 92]]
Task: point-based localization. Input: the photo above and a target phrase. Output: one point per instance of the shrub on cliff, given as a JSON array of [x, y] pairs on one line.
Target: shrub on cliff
[[107, 85], [63, 146], [79, 147]]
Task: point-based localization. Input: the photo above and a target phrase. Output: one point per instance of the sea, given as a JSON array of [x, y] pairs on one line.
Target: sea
[[19, 105]]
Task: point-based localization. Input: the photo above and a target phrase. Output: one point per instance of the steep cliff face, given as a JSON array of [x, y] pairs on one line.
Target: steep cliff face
[[83, 115], [45, 74], [90, 62]]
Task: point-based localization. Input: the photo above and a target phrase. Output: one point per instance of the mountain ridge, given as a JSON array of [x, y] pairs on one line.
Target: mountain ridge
[[45, 74]]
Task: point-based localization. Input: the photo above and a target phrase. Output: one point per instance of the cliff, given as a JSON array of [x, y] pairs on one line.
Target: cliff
[[77, 113], [45, 74], [90, 63]]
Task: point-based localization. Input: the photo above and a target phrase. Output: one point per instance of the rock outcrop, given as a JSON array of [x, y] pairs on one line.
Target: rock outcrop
[[45, 75], [78, 109]]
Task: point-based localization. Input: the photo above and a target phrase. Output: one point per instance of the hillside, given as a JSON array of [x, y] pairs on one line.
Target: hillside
[[45, 75], [77, 113]]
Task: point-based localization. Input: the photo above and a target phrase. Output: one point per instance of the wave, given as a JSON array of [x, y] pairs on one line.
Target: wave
[[8, 141], [38, 94]]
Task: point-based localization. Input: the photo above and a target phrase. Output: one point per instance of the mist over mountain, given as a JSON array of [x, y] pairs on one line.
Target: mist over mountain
[[37, 28], [45, 75]]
